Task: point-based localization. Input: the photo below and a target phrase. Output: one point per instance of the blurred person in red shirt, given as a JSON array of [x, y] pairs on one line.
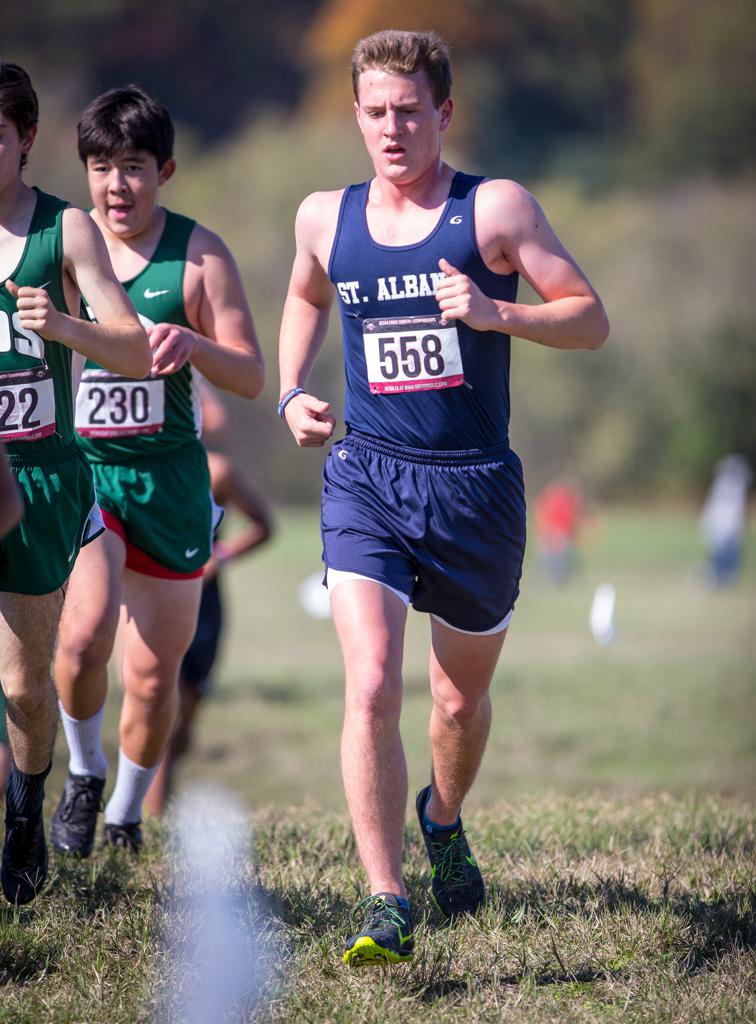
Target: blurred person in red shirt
[[559, 514]]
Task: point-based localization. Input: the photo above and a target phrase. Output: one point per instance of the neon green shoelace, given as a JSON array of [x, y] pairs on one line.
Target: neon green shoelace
[[451, 861], [379, 912]]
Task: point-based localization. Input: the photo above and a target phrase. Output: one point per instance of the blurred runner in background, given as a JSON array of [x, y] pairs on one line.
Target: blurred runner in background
[[232, 491], [558, 518], [723, 519]]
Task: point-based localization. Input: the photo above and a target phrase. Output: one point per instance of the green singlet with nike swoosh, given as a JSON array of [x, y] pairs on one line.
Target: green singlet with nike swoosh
[[37, 381], [142, 436]]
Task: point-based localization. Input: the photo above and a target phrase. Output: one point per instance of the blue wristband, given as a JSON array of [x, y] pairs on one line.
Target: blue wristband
[[285, 399]]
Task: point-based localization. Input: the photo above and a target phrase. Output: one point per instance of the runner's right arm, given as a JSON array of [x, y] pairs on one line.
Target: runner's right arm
[[117, 341], [305, 318]]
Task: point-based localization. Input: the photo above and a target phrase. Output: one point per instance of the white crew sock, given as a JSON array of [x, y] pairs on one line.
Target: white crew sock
[[132, 783], [86, 756]]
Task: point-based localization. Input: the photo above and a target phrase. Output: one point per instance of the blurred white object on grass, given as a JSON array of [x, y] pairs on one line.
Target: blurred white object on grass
[[314, 597], [214, 935], [601, 618]]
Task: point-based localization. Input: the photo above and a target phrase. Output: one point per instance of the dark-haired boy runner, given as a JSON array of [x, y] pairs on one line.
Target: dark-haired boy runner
[[423, 500], [50, 254], [142, 440]]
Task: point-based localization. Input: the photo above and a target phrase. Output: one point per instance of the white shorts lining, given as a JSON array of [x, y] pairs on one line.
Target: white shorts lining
[[498, 628], [336, 576], [93, 525]]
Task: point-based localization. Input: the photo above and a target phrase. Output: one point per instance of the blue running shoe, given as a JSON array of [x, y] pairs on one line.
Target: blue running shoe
[[456, 881], [386, 937]]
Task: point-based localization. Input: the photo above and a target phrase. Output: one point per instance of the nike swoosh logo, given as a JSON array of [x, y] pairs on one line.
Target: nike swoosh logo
[[471, 860], [190, 552], [149, 294], [72, 553]]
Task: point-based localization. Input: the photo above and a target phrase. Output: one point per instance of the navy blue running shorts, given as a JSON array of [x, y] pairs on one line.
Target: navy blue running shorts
[[445, 528]]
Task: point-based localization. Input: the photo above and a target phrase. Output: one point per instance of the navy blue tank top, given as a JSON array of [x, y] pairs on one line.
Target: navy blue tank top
[[413, 378]]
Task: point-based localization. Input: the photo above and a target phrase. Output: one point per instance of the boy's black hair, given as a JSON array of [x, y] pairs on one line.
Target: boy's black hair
[[18, 100], [126, 118]]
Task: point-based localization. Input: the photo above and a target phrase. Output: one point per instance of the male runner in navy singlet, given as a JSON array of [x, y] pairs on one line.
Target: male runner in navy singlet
[[423, 500]]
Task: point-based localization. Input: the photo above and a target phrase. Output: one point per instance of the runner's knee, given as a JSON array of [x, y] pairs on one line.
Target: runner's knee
[[374, 696], [153, 689], [27, 694], [459, 707], [85, 649]]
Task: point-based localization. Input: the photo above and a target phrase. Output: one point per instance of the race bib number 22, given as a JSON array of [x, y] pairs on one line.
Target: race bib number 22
[[27, 405]]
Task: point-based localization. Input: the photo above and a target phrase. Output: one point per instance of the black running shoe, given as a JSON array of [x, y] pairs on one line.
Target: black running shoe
[[24, 864], [386, 937], [457, 885], [124, 837], [75, 819]]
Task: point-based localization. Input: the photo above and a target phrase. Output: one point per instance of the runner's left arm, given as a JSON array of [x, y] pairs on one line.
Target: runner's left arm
[[514, 235], [224, 346], [117, 341]]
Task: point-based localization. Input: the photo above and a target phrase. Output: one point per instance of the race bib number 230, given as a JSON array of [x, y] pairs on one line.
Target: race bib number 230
[[411, 353], [109, 406]]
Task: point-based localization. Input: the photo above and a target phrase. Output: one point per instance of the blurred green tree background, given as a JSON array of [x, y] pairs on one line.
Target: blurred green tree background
[[634, 122]]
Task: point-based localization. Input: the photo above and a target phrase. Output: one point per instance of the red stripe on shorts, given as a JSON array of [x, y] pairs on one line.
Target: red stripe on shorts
[[139, 561]]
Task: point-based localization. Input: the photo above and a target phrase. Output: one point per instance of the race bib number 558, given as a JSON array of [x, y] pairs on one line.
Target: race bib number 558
[[411, 353]]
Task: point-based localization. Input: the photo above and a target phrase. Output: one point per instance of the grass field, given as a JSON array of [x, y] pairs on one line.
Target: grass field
[[613, 818], [671, 705]]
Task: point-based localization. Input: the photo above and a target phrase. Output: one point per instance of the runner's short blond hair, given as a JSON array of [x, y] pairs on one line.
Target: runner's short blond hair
[[405, 53]]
